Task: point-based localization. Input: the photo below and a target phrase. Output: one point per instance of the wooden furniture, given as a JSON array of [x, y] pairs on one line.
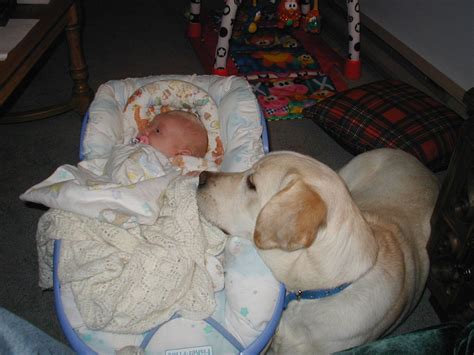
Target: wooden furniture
[[6, 8], [451, 245], [54, 18]]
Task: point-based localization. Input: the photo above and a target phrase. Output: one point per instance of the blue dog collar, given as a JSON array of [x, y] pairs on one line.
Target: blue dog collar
[[313, 294]]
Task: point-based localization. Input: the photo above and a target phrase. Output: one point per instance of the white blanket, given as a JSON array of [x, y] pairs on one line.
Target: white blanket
[[122, 189], [130, 280]]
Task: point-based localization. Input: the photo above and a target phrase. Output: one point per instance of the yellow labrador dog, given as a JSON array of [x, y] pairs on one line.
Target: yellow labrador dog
[[357, 237]]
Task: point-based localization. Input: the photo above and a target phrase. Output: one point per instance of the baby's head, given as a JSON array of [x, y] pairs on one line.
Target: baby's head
[[176, 133]]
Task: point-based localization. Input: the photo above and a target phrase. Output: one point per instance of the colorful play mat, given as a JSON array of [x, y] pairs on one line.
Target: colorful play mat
[[288, 68]]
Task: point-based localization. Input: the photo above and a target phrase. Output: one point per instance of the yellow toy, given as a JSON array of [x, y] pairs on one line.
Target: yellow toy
[[252, 18]]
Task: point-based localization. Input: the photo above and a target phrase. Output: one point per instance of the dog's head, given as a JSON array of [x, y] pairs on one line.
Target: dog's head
[[299, 214], [281, 202]]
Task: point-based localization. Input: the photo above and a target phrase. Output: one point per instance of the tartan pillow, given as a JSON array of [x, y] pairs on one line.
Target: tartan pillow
[[390, 113]]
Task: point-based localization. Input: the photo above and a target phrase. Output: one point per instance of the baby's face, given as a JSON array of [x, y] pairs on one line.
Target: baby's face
[[163, 133], [172, 134]]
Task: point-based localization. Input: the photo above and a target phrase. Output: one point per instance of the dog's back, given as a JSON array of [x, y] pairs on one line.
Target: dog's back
[[396, 188], [394, 185]]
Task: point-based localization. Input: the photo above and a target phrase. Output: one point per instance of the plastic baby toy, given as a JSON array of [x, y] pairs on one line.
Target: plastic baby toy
[[254, 16], [311, 22], [289, 13]]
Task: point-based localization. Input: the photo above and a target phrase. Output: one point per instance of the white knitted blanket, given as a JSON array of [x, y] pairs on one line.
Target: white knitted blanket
[[130, 280]]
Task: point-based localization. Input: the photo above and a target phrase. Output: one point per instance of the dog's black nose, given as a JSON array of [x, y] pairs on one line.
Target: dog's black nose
[[203, 178]]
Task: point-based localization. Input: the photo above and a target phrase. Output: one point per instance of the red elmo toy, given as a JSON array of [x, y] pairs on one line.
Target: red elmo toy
[[289, 13]]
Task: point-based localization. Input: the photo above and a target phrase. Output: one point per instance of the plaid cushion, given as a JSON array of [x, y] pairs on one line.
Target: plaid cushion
[[390, 113]]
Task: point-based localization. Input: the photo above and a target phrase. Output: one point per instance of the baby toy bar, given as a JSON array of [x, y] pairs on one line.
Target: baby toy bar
[[353, 66]]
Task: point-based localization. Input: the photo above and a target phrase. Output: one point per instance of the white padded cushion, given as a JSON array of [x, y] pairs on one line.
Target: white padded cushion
[[238, 112]]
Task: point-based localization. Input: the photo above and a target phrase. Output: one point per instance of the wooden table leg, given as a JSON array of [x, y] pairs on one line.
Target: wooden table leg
[[82, 94]]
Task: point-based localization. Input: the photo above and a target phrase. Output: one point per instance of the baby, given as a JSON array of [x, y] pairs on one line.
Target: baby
[[176, 133], [126, 184], [159, 148]]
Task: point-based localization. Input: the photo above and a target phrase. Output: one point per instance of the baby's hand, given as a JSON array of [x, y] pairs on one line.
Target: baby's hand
[[193, 173]]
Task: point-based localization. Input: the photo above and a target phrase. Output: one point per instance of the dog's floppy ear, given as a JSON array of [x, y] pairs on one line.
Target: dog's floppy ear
[[291, 219]]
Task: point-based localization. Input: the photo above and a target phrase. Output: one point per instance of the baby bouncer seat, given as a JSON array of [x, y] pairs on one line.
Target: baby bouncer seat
[[249, 307]]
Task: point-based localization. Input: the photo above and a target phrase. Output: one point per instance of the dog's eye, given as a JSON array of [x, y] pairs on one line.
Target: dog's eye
[[250, 183]]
